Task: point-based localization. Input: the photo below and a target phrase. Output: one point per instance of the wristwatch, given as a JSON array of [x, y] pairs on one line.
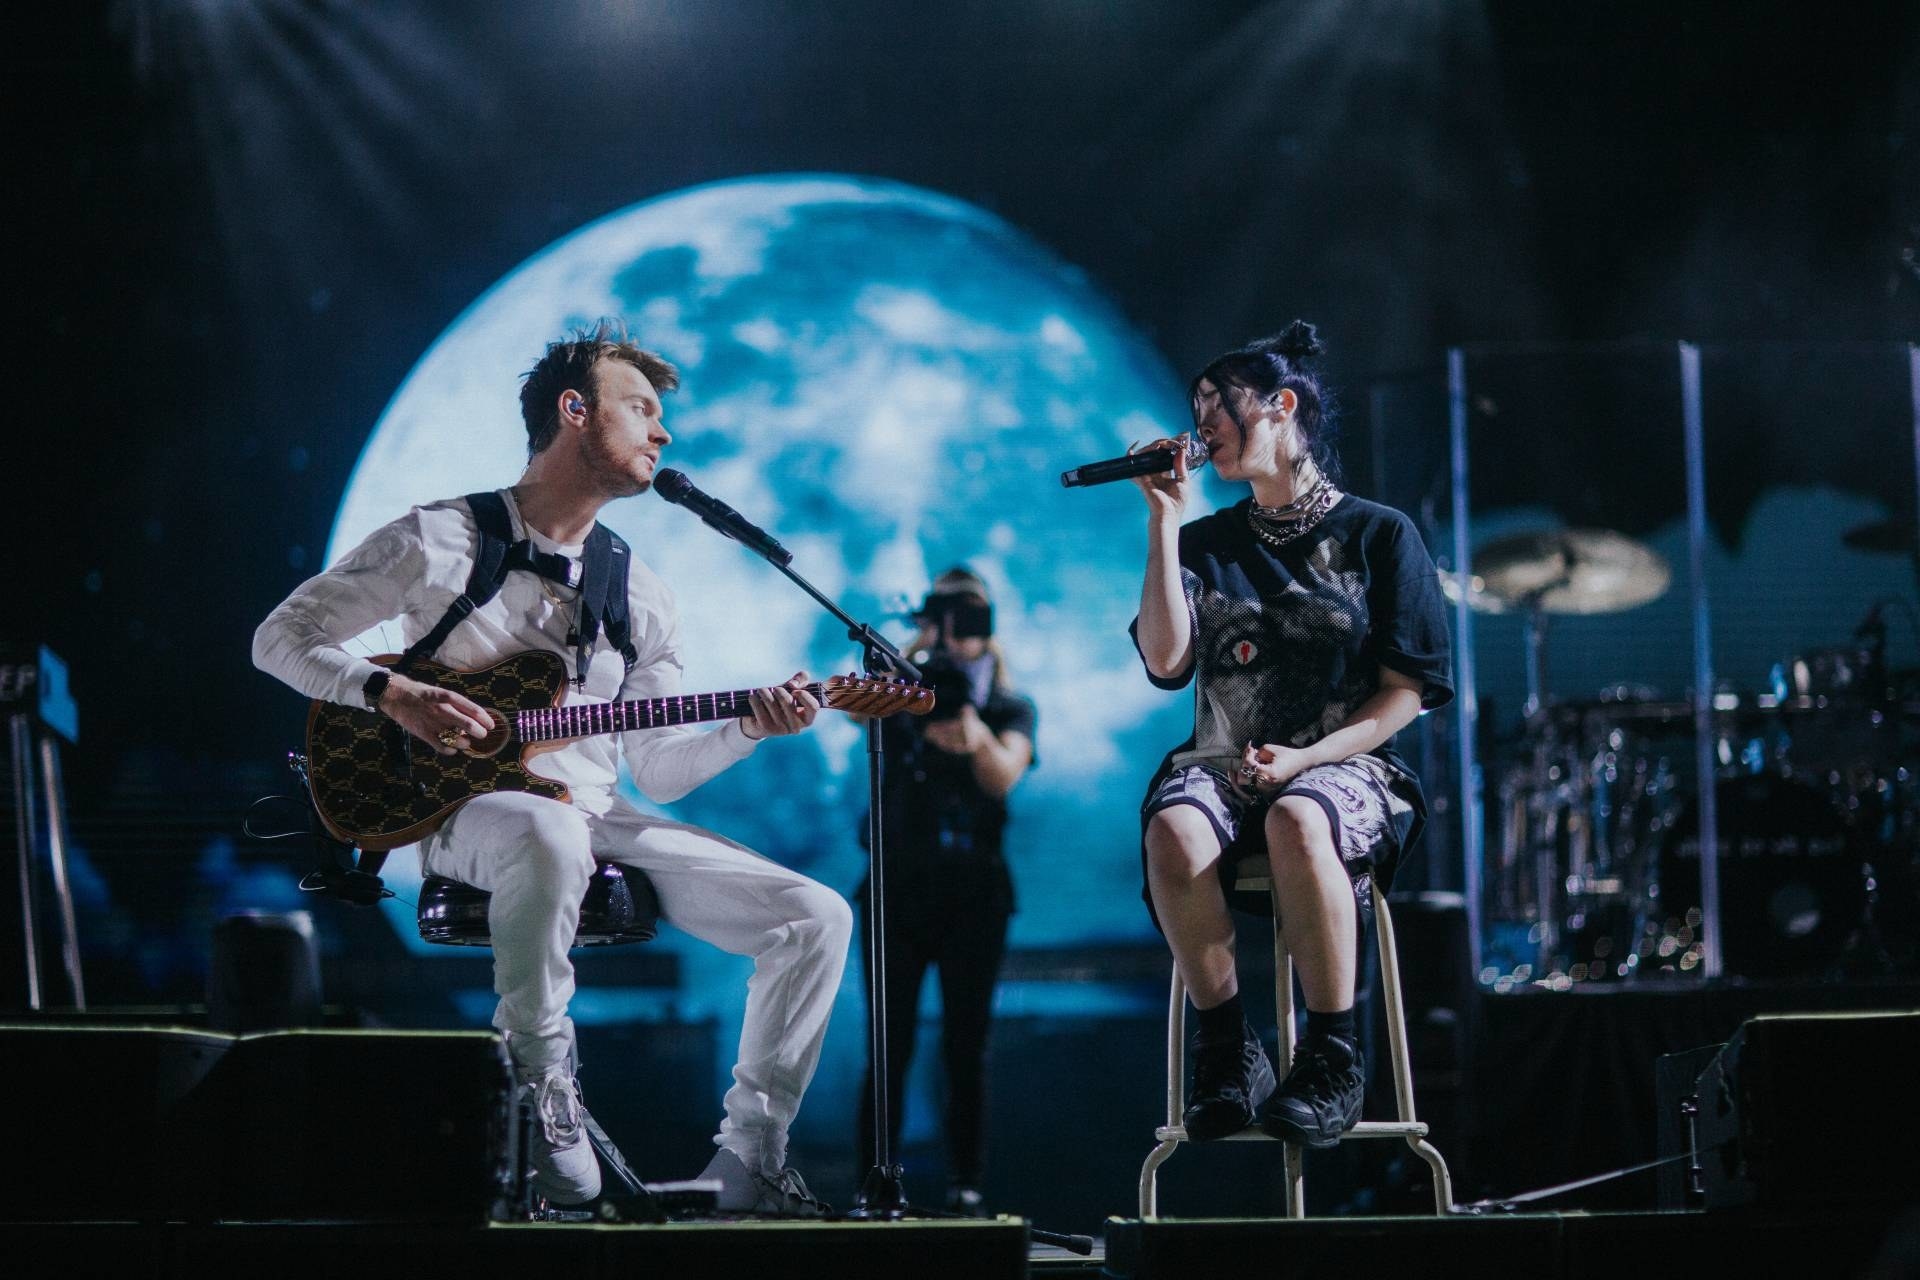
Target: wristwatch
[[375, 686]]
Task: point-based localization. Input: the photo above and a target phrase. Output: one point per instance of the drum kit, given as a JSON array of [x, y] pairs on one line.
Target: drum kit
[[1593, 867]]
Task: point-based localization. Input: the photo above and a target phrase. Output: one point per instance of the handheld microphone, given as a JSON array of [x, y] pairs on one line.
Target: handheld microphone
[[677, 489], [1143, 463]]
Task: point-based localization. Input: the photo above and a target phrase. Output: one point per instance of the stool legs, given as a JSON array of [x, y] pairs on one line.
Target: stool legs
[[1402, 1064], [1294, 1184], [1176, 1076], [1171, 1134]]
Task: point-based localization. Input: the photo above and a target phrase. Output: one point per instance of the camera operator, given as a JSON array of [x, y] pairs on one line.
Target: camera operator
[[948, 891]]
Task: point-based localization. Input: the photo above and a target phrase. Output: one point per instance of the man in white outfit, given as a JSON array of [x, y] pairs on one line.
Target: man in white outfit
[[595, 431]]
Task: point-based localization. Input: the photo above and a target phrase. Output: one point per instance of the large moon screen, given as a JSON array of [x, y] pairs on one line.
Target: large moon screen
[[890, 382]]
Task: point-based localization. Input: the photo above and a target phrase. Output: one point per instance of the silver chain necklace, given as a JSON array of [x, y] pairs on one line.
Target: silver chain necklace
[[1277, 526]]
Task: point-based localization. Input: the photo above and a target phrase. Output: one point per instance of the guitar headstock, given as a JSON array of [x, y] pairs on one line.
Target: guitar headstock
[[872, 696]]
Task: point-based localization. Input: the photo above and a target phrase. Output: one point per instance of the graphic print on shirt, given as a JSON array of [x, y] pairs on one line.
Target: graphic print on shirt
[[1274, 668]]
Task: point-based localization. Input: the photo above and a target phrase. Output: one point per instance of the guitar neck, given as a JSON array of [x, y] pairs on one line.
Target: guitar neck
[[586, 719]]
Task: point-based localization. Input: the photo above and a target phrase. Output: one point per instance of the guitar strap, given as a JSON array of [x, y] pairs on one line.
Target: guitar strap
[[600, 575]]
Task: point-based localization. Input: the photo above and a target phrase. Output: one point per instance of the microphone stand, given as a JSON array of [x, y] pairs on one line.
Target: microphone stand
[[881, 1195]]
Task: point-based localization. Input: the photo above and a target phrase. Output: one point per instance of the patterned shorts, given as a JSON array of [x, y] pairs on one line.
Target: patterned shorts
[[1366, 801]]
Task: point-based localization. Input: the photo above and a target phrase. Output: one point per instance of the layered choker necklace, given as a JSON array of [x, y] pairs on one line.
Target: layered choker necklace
[[1277, 526]]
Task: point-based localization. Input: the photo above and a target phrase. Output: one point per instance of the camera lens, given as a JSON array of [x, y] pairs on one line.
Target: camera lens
[[951, 687]]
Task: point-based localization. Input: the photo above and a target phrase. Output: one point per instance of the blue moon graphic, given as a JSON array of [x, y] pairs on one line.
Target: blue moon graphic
[[889, 380]]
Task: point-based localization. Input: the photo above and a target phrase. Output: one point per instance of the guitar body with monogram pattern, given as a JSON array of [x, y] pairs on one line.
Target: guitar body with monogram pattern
[[377, 786]]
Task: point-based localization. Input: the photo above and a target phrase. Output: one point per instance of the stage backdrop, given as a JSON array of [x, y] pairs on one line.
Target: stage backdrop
[[890, 381]]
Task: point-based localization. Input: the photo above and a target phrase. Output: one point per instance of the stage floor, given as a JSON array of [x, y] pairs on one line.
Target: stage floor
[[1573, 1246]]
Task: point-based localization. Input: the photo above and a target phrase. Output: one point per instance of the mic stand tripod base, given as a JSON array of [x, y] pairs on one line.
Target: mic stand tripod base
[[881, 1198]]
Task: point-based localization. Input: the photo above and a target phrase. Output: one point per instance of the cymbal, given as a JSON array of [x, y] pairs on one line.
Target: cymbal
[[1575, 571]]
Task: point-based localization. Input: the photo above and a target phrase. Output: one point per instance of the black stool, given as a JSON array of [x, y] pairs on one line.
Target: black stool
[[619, 907]]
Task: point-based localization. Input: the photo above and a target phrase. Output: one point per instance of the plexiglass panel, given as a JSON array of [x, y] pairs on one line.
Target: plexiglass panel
[[1811, 563], [1575, 525], [1590, 629], [1408, 468], [1583, 647]]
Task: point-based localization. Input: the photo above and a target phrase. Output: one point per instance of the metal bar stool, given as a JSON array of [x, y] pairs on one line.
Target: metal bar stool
[[1252, 874], [619, 906]]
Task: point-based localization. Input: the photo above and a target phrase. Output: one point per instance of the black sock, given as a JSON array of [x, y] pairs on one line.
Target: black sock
[[1224, 1020], [1331, 1025]]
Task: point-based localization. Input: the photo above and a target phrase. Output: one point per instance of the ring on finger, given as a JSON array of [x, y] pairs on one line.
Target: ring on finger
[[449, 737]]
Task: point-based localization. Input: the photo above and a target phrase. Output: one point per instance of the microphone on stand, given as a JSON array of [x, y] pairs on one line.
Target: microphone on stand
[[677, 489], [1144, 463]]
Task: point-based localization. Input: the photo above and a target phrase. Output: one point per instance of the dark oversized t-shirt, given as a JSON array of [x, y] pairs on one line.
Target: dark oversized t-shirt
[[1288, 641]]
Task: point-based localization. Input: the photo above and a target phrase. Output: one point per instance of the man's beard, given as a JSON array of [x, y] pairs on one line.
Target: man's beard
[[607, 471]]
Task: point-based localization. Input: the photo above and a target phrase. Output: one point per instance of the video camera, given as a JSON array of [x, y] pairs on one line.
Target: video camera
[[959, 616]]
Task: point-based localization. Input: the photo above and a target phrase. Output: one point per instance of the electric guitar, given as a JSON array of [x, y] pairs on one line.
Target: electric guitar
[[378, 787]]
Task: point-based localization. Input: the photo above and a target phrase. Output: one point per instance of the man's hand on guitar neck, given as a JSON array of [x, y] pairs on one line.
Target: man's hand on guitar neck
[[427, 712], [781, 710]]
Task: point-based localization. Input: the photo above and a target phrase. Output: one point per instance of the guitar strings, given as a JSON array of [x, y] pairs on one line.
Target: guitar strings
[[582, 718]]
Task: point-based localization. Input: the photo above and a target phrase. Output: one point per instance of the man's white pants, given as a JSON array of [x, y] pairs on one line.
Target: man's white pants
[[535, 857]]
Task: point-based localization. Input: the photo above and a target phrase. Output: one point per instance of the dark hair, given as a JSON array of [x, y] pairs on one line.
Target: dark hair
[[570, 363], [1260, 370]]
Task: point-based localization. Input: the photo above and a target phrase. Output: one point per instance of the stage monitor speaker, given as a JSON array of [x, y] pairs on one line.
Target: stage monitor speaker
[[173, 1124], [1539, 1246], [991, 1249], [1811, 1109], [265, 974]]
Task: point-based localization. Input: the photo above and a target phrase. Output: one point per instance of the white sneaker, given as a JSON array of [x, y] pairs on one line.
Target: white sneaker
[[565, 1170], [744, 1190]]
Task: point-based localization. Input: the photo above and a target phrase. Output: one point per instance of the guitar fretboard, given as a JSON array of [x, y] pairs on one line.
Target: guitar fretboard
[[586, 719]]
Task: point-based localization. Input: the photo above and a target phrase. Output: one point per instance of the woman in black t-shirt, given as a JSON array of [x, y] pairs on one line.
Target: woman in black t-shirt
[[1312, 626], [949, 892]]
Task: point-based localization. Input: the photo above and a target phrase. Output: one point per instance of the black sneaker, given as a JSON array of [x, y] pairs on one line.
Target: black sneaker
[[1320, 1098], [1231, 1078]]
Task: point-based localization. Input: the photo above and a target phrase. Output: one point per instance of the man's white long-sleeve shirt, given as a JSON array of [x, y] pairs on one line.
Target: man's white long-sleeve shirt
[[410, 570]]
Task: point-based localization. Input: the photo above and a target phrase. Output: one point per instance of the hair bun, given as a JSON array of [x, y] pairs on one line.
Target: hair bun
[[1298, 341]]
